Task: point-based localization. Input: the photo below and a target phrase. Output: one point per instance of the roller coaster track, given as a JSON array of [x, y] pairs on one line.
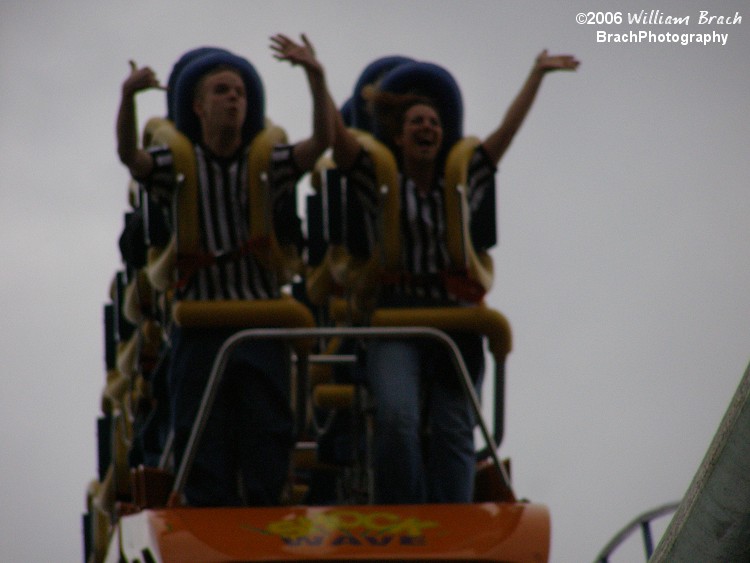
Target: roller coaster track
[[712, 522]]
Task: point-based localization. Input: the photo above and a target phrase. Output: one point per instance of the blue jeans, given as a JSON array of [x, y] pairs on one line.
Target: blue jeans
[[415, 388], [249, 434]]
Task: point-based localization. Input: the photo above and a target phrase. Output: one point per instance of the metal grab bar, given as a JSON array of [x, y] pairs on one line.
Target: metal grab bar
[[231, 343]]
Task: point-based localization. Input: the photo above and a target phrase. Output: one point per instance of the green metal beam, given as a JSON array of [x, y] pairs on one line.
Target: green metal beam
[[712, 522]]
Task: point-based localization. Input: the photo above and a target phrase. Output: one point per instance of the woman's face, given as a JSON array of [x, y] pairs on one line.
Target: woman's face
[[421, 135]]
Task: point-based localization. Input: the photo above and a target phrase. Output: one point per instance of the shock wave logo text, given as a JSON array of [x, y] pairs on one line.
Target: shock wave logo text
[[350, 528]]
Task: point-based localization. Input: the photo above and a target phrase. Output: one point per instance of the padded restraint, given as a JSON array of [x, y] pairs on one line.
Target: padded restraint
[[285, 312], [403, 75], [386, 176], [261, 237], [478, 265], [481, 320], [463, 256], [347, 112], [438, 84]]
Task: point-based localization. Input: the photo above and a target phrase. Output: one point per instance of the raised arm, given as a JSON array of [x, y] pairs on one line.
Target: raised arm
[[499, 140], [136, 159], [307, 152], [346, 147]]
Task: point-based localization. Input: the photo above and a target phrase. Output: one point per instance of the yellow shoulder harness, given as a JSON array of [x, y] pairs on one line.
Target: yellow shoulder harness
[[458, 238], [386, 177], [185, 246]]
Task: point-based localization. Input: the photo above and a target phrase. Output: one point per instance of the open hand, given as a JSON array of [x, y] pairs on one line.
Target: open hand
[[297, 54], [546, 62]]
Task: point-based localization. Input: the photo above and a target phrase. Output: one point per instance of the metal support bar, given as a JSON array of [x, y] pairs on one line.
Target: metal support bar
[[332, 358], [642, 521], [231, 343], [648, 542]]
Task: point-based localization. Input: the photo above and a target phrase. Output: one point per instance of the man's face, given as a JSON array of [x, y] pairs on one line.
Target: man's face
[[422, 133], [221, 102]]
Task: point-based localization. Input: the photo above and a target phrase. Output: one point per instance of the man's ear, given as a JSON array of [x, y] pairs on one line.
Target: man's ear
[[197, 108]]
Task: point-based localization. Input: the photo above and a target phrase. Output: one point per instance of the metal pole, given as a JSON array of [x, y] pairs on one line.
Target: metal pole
[[229, 345]]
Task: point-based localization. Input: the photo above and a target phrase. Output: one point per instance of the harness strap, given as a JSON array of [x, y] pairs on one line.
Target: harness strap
[[456, 283], [188, 264]]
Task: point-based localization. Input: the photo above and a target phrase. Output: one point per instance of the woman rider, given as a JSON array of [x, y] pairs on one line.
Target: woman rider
[[405, 376]]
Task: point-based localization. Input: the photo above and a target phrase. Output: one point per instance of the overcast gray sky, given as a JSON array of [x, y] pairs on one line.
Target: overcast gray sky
[[623, 210]]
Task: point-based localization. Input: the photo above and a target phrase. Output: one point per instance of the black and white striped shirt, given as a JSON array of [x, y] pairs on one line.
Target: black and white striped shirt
[[424, 252], [224, 221]]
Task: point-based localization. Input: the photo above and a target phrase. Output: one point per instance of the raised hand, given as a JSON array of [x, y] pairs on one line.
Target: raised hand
[[303, 54], [140, 79], [546, 62]]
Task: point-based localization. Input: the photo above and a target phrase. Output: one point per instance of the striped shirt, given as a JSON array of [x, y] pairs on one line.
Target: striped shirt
[[424, 251], [224, 220]]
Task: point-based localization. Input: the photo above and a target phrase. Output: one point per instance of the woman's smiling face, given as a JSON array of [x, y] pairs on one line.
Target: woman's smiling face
[[421, 135]]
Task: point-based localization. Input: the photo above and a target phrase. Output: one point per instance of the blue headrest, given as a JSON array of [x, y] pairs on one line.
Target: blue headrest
[[372, 73], [433, 81], [189, 75], [347, 113]]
